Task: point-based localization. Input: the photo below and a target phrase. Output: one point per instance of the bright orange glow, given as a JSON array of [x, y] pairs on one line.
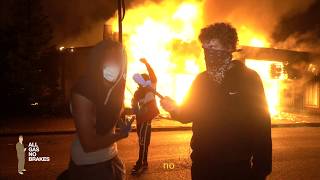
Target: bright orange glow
[[166, 34], [257, 42], [249, 37], [272, 87]]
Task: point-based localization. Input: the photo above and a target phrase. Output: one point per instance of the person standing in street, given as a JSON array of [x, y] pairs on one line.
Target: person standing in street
[[227, 106], [96, 104], [145, 108]]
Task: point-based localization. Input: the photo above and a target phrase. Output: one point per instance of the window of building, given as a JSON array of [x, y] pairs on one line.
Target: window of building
[[311, 98]]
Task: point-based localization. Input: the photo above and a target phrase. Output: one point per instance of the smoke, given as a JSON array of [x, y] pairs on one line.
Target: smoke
[[308, 41], [263, 16], [300, 31], [74, 22], [80, 23]]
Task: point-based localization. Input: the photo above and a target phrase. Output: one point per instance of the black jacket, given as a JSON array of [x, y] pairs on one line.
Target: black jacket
[[231, 121]]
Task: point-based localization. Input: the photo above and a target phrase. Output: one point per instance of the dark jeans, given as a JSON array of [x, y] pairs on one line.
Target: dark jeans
[[235, 171], [144, 134], [113, 169]]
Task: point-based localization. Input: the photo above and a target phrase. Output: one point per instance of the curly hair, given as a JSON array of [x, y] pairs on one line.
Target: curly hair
[[224, 32]]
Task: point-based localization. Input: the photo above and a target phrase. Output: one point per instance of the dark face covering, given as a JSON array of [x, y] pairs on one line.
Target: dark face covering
[[218, 60]]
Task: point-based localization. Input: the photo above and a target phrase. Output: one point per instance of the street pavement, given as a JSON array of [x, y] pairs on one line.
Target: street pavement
[[62, 125], [296, 155]]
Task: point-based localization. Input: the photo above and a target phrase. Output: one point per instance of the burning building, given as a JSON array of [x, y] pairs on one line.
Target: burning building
[[167, 35]]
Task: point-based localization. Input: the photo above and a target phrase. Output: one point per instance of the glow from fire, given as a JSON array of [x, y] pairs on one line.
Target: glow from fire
[[272, 86], [250, 37], [166, 34]]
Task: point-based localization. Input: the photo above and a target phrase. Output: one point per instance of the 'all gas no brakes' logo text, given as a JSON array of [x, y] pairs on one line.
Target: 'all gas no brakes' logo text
[[34, 149]]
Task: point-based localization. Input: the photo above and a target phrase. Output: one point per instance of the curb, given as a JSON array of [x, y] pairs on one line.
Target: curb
[[296, 125], [154, 129]]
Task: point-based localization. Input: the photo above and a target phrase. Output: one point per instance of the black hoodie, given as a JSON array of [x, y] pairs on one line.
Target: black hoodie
[[107, 98], [231, 121]]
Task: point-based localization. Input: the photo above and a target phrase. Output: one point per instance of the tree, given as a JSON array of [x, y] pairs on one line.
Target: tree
[[27, 34]]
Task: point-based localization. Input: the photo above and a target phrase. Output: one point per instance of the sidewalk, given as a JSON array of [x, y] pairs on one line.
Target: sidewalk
[[59, 125]]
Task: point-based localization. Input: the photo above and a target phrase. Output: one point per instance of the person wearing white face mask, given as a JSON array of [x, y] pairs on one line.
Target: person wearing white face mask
[[96, 104], [111, 72]]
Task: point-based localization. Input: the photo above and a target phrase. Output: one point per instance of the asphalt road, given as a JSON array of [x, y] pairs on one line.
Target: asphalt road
[[296, 155]]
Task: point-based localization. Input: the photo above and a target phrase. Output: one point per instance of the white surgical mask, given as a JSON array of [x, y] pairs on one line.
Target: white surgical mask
[[111, 72]]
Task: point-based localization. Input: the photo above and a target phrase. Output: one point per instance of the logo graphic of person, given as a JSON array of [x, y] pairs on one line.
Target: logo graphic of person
[[21, 155]]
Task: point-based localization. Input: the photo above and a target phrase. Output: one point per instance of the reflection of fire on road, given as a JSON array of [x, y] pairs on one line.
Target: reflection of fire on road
[[167, 35]]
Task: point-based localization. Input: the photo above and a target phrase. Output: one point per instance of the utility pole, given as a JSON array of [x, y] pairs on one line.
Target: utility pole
[[121, 13]]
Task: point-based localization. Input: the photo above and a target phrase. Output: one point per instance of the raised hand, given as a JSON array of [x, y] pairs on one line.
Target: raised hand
[[143, 60]]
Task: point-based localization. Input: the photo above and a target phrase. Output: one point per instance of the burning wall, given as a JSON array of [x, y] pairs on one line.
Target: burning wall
[[166, 34]]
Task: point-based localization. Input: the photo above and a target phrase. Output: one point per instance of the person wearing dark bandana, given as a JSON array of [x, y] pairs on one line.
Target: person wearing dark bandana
[[227, 106]]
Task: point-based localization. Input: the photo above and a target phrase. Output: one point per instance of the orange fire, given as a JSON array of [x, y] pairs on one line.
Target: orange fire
[[166, 34], [272, 87]]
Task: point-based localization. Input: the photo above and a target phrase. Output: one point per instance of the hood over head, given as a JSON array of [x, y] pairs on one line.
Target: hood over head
[[109, 96]]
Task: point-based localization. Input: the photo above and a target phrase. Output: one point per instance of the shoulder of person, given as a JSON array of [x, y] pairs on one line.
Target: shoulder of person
[[82, 82], [252, 75], [201, 76], [84, 87], [241, 70], [201, 79]]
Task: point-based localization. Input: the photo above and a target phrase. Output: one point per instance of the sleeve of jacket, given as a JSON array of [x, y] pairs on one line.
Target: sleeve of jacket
[[186, 112], [262, 143], [151, 73]]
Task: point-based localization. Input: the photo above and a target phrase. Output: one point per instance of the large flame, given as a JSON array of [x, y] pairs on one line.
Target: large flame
[[272, 86], [166, 34]]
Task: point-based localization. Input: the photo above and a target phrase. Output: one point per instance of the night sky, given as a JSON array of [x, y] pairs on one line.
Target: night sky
[[80, 22]]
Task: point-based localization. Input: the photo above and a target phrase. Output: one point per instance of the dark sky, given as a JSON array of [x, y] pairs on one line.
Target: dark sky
[[78, 22], [73, 19]]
